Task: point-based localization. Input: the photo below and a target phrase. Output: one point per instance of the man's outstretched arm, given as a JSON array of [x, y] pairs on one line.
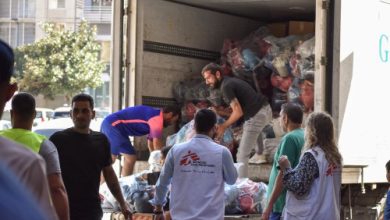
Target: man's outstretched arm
[[113, 186]]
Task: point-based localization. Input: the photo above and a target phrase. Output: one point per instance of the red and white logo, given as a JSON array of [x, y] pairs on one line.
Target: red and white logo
[[331, 168], [189, 158]]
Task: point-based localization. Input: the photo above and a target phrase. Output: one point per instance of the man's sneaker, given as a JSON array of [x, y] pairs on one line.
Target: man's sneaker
[[258, 159]]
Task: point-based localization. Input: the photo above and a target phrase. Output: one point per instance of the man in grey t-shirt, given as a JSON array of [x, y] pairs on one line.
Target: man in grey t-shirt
[[22, 117]]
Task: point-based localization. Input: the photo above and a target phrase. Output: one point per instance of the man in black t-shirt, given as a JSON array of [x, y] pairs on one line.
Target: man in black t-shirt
[[245, 102], [83, 155]]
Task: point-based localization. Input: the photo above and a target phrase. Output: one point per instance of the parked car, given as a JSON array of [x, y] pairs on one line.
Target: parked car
[[5, 124], [50, 127], [61, 112], [6, 114], [43, 114], [101, 113]]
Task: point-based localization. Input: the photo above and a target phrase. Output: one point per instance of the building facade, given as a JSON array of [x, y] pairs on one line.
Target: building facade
[[20, 23]]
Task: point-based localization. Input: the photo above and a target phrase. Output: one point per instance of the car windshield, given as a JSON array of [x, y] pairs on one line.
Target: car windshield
[[64, 114], [39, 114], [6, 115]]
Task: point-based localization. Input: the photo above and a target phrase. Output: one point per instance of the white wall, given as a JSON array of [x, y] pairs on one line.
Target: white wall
[[364, 136]]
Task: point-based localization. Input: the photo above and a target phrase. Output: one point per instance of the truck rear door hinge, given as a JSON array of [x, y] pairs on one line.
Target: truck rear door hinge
[[325, 4], [126, 62], [126, 11], [324, 61]]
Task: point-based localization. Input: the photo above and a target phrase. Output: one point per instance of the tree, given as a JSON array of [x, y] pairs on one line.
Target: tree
[[64, 62]]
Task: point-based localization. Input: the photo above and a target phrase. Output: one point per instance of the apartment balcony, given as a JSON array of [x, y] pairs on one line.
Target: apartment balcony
[[98, 14]]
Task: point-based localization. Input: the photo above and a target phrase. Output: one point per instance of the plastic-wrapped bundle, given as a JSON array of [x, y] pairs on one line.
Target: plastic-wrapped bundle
[[281, 65], [244, 56], [228, 45], [136, 192], [185, 133], [188, 111], [154, 161], [190, 90], [188, 131], [306, 66], [302, 92], [245, 197], [282, 83], [236, 61], [215, 98], [294, 92], [232, 205], [307, 92], [190, 107], [197, 92], [302, 61], [278, 99], [306, 49]]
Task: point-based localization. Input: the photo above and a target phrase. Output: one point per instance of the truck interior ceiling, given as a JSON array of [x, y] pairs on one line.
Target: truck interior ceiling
[[261, 10]]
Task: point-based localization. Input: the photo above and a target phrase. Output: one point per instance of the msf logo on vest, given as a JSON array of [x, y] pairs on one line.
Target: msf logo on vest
[[189, 158]]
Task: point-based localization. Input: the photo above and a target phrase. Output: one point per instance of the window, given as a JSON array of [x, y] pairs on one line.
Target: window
[[15, 10], [4, 9], [53, 4], [98, 3], [4, 31], [29, 33], [13, 38], [102, 29], [29, 8]]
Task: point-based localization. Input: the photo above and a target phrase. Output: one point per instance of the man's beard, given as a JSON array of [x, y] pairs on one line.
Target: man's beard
[[217, 84]]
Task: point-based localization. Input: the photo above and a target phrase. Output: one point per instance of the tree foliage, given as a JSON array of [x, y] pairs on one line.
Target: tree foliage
[[64, 62]]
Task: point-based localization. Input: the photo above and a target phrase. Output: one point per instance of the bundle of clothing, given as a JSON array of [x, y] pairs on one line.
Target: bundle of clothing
[[245, 197]]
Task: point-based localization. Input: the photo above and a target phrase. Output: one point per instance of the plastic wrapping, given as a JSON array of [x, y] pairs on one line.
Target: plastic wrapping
[[155, 161], [188, 131], [278, 99], [307, 92], [136, 192], [190, 90], [302, 61], [294, 91], [282, 83], [245, 197], [302, 92]]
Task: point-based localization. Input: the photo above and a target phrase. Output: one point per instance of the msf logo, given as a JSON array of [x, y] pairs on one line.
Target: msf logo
[[189, 158]]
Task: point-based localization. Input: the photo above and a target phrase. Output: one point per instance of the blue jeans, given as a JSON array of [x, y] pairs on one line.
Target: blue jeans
[[275, 216]]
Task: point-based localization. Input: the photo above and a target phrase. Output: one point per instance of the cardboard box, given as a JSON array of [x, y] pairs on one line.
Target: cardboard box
[[279, 29], [300, 27], [283, 29]]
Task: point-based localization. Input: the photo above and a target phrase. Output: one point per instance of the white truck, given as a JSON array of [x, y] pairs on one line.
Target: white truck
[[169, 41]]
